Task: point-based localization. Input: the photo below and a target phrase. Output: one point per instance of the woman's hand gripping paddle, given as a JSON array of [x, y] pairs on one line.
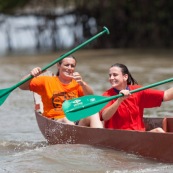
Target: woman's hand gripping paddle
[[5, 92], [86, 106]]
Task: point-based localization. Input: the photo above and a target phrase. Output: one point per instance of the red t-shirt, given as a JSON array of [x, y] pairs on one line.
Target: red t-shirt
[[53, 93], [129, 114]]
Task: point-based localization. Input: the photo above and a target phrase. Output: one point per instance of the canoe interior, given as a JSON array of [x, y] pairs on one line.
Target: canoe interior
[[166, 123]]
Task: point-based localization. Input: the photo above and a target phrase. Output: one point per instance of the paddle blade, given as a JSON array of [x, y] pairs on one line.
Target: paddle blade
[[82, 106], [4, 93]]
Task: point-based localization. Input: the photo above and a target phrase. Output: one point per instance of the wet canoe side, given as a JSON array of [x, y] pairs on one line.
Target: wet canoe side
[[148, 144]]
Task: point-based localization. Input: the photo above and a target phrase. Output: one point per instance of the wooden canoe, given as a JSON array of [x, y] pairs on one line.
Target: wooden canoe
[[148, 144], [151, 145]]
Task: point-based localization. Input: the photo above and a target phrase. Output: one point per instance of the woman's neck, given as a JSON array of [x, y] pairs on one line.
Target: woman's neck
[[122, 87], [64, 80]]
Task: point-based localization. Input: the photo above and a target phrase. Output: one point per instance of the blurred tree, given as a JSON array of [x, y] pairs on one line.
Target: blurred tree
[[132, 23], [9, 5]]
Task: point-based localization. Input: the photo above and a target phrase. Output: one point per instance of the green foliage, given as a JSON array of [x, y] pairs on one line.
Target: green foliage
[[132, 23], [6, 6]]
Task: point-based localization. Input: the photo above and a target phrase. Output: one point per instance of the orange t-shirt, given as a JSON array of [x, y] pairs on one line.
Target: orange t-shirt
[[53, 93]]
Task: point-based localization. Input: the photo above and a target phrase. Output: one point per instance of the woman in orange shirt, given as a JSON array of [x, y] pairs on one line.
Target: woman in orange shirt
[[54, 90]]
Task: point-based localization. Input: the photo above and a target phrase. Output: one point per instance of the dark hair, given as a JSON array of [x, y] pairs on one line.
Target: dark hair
[[60, 62], [124, 69]]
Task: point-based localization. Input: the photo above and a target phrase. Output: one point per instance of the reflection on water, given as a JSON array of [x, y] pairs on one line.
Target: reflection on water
[[23, 146]]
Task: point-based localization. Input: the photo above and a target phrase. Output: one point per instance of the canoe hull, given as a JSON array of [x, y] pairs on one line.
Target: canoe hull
[[148, 144]]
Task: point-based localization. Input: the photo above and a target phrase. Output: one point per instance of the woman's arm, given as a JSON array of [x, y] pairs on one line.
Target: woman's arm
[[168, 95], [110, 111], [86, 88], [34, 72]]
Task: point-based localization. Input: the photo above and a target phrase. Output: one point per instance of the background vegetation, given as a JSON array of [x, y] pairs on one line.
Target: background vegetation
[[132, 23]]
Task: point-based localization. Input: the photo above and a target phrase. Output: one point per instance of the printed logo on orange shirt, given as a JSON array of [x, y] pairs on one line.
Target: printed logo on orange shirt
[[59, 97]]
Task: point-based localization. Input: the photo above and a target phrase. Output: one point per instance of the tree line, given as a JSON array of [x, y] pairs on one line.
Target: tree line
[[132, 23]]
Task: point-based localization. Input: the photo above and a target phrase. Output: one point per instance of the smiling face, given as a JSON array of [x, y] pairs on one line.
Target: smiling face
[[66, 68], [117, 79]]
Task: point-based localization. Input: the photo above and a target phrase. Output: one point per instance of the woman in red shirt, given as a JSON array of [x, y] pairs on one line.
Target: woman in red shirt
[[127, 112]]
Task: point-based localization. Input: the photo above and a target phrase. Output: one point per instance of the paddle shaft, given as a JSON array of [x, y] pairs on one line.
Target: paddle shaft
[[119, 95], [105, 30]]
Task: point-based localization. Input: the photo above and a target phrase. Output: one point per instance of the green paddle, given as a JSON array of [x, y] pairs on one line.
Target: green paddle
[[85, 106], [5, 92]]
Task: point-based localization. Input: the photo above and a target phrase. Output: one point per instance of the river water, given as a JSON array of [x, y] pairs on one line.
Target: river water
[[22, 146]]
